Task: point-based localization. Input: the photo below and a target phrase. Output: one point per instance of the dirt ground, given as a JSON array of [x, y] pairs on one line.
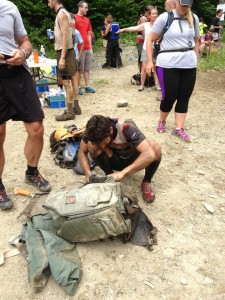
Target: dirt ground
[[188, 262]]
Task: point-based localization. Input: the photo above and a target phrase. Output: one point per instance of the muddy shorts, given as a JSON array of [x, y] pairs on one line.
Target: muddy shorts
[[86, 59], [70, 68], [18, 97]]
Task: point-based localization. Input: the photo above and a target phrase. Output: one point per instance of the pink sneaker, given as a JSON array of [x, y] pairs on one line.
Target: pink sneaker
[[147, 192], [181, 133], [161, 126]]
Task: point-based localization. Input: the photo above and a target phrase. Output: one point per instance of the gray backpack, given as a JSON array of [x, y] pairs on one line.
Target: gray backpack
[[94, 211]]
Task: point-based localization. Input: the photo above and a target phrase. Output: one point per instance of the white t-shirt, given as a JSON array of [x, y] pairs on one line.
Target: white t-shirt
[[11, 25], [147, 29], [178, 36]]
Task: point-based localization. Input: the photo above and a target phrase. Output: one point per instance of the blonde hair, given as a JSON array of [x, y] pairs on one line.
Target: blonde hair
[[190, 18]]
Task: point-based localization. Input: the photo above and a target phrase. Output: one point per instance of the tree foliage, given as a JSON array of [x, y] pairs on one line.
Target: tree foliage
[[38, 18]]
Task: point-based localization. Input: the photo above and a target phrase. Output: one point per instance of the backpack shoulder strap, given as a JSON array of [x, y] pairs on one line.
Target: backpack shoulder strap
[[169, 21]]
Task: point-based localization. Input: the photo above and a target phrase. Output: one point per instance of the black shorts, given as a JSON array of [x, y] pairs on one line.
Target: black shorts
[[18, 97], [70, 68]]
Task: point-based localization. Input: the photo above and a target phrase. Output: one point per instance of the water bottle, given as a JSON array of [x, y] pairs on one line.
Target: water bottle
[[42, 51], [50, 34]]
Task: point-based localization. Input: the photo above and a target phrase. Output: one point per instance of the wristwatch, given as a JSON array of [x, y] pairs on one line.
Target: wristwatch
[[25, 52]]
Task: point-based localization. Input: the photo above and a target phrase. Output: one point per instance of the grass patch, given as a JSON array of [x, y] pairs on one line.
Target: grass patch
[[100, 82], [214, 61]]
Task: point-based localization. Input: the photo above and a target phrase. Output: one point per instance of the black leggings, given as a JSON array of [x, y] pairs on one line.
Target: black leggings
[[117, 163], [176, 84]]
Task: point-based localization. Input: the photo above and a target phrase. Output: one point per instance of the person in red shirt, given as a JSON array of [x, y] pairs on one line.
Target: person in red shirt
[[83, 24]]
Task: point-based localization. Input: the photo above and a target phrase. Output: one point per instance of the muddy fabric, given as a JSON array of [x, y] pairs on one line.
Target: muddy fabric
[[92, 212], [48, 254]]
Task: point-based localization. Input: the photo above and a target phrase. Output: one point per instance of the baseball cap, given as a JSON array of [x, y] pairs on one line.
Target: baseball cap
[[186, 2]]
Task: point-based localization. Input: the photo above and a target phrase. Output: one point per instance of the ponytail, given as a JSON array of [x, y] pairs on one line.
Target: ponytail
[[190, 17]]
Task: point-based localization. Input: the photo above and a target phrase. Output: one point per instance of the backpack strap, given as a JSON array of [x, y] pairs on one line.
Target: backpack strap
[[169, 21]]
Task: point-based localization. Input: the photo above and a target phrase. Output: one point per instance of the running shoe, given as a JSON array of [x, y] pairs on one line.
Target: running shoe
[[38, 181], [147, 192], [181, 134], [161, 126], [5, 202]]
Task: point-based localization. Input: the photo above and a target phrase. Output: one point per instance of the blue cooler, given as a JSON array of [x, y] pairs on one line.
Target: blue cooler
[[57, 101], [43, 88]]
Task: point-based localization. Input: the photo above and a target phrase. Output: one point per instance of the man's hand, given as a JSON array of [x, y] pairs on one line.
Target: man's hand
[[17, 58], [118, 176], [1, 57], [62, 63]]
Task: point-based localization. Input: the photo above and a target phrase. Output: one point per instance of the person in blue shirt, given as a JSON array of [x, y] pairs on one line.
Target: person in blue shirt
[[113, 58]]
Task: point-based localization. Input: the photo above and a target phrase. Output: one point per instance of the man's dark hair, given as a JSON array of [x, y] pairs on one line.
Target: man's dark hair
[[219, 11], [98, 128], [81, 3]]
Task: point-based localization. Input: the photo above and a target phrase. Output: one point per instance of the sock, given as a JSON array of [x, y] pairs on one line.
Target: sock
[[31, 170], [1, 185], [70, 107], [76, 103], [178, 128]]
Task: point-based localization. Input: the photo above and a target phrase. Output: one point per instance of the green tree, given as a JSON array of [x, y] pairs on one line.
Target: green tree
[[38, 17]]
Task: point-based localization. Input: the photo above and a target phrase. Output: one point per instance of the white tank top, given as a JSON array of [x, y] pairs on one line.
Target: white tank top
[[58, 34]]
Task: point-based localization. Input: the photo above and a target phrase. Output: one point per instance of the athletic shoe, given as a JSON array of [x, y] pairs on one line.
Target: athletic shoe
[[38, 181], [77, 110], [181, 133], [161, 126], [80, 91], [141, 88], [5, 202], [89, 89], [159, 98], [147, 192], [65, 116], [157, 87]]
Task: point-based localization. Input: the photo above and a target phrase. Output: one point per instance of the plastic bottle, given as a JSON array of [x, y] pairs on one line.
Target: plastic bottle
[[50, 34], [42, 51]]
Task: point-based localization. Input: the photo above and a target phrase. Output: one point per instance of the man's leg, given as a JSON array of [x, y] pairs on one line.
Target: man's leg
[[69, 113], [2, 155], [86, 77], [76, 107], [5, 202], [32, 150], [147, 193], [86, 71]]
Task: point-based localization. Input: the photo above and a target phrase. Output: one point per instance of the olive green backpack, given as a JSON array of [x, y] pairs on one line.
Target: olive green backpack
[[92, 212]]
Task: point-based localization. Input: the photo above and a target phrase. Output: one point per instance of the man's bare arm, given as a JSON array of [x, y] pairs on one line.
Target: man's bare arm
[[146, 157], [18, 55], [64, 27], [83, 159]]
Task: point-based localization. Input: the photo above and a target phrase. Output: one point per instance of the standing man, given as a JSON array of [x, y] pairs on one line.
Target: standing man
[[215, 24], [83, 25], [64, 31], [18, 97]]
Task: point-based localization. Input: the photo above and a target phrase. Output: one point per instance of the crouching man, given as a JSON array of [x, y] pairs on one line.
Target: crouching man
[[121, 147]]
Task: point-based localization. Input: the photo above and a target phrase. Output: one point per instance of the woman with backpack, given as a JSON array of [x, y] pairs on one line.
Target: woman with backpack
[[176, 62], [145, 28]]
